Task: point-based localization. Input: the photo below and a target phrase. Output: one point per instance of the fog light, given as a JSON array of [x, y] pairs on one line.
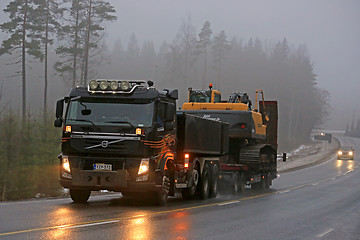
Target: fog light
[[125, 85], [144, 166], [104, 85], [66, 163], [93, 84], [114, 85]]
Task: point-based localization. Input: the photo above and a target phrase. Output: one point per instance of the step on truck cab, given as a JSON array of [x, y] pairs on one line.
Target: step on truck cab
[[125, 136]]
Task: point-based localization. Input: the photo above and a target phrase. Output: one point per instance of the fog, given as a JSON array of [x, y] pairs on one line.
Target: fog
[[329, 29]]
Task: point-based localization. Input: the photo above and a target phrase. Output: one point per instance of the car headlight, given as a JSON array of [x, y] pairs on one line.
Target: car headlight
[[65, 163], [144, 166], [351, 153], [339, 152]]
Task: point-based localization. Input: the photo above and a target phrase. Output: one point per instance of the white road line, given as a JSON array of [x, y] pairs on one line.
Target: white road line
[[332, 179], [325, 232], [314, 184], [222, 204], [91, 224], [286, 191]]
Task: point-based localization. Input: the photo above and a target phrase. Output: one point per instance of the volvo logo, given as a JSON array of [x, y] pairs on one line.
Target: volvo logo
[[104, 144]]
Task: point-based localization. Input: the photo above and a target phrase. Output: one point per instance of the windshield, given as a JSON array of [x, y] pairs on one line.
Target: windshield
[[110, 112], [200, 96]]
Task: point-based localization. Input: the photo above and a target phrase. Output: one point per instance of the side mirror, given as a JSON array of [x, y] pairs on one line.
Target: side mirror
[[58, 122], [59, 108], [170, 112], [169, 126]]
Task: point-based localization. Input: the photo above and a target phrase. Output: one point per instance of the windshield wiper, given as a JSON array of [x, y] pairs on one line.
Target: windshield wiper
[[84, 120], [122, 122]]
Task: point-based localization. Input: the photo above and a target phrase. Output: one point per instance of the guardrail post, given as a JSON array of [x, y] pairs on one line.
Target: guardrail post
[[284, 157]]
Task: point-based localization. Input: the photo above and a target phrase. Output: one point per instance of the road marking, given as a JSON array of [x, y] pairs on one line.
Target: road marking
[[286, 191], [91, 224], [333, 179], [324, 233], [314, 184], [222, 204]]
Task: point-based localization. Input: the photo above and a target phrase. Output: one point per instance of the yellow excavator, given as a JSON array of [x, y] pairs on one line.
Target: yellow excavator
[[252, 132]]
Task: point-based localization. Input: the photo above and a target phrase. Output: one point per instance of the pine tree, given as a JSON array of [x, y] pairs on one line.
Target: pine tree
[[24, 38], [203, 45], [82, 36], [219, 49]]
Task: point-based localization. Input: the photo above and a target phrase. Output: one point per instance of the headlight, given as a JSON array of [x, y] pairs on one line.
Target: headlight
[[350, 153], [144, 166], [339, 152], [65, 163]]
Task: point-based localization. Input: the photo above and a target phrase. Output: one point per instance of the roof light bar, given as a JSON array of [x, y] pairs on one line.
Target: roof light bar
[[114, 86]]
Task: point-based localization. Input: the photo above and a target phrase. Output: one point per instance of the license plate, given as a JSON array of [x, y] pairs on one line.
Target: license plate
[[102, 167]]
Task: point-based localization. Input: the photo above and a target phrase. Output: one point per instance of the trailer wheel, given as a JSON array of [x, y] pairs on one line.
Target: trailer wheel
[[268, 181], [189, 192], [259, 186], [80, 195], [239, 183], [214, 186], [204, 186]]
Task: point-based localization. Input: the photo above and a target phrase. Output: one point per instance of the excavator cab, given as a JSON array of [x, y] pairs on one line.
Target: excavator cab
[[204, 96]]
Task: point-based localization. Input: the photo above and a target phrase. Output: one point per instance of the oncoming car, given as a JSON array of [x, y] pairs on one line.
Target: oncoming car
[[346, 152]]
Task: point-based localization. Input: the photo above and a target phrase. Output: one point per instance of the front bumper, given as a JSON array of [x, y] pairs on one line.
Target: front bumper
[[107, 180]]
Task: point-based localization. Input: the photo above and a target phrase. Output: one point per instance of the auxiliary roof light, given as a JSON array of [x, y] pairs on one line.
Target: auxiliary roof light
[[104, 85], [93, 84], [125, 85], [114, 85]]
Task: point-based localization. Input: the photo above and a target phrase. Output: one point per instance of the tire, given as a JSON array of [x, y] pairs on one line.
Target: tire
[[189, 193], [204, 184], [259, 186], [239, 183], [268, 181], [80, 195], [214, 181], [160, 197]]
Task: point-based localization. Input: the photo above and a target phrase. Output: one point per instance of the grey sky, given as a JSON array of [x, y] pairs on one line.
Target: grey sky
[[330, 29]]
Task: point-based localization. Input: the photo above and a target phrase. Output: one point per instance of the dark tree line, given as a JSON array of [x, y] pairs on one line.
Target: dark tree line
[[71, 31]]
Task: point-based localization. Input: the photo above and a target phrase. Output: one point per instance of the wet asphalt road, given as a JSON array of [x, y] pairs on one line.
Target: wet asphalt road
[[321, 202]]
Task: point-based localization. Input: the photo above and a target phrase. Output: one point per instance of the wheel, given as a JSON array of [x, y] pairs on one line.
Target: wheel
[[189, 192], [259, 186], [204, 183], [80, 195], [239, 183], [160, 197], [214, 186], [267, 181]]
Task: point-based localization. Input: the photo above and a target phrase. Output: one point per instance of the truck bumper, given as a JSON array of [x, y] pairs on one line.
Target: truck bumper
[[106, 180]]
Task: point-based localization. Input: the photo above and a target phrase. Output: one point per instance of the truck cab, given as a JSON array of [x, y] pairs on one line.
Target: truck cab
[[116, 135]]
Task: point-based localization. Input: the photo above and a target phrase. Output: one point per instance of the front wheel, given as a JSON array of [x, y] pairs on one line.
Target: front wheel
[[80, 195]]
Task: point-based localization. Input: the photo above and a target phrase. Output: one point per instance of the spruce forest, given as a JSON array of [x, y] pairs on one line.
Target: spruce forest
[[64, 40]]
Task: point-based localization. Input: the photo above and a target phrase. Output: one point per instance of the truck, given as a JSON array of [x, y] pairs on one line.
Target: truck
[[251, 159], [126, 136]]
